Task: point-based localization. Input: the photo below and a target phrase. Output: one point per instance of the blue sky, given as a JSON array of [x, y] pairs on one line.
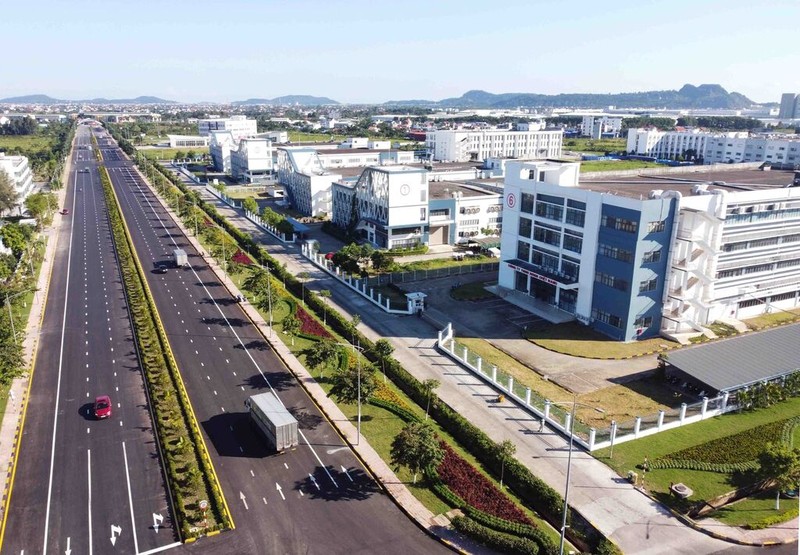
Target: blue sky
[[373, 51]]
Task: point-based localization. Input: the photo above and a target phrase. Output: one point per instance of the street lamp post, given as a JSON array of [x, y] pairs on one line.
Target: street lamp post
[[575, 403], [358, 366]]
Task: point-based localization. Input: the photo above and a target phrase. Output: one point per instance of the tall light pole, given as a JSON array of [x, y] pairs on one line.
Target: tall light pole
[[575, 403], [358, 366]]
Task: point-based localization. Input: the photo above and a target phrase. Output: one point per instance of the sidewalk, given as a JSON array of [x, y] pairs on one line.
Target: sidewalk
[[436, 525], [11, 427], [633, 520]]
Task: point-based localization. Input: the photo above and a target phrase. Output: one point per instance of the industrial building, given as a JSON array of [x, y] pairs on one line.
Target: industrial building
[[715, 148], [306, 181], [480, 144], [239, 126], [251, 160], [188, 141], [642, 256], [602, 126]]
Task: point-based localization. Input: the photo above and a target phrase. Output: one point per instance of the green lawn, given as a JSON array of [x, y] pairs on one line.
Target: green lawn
[[26, 142], [436, 263], [600, 146], [581, 341], [300, 137], [753, 509], [706, 485], [616, 165], [773, 319], [169, 153]]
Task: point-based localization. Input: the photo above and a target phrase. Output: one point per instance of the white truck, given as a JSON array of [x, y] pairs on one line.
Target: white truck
[[181, 260], [272, 418]]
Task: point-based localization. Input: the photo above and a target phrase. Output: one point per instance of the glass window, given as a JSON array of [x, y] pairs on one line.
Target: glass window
[[648, 285], [524, 251], [652, 257], [526, 204], [525, 227]]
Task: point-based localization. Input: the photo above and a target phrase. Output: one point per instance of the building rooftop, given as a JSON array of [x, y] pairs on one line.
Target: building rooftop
[[445, 189], [732, 363], [734, 180]]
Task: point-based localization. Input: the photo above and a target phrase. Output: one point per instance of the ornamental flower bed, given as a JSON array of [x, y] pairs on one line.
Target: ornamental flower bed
[[475, 489], [241, 258], [310, 326]]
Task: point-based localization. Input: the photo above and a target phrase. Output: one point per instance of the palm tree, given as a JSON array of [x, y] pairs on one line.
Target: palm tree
[[429, 386]]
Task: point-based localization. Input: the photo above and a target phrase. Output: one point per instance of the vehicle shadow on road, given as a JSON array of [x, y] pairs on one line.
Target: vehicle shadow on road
[[278, 380], [354, 485], [305, 419], [233, 435]]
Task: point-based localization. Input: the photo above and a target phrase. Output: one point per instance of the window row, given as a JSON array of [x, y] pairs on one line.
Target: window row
[[620, 224], [606, 317], [611, 281]]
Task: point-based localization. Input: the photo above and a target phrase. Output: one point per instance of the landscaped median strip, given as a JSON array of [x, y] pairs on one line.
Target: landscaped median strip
[[189, 470]]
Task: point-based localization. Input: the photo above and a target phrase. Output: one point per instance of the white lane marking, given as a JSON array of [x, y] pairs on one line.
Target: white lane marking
[[58, 384], [89, 468], [160, 549], [130, 496]]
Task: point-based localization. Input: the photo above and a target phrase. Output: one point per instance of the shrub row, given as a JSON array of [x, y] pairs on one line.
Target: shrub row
[[505, 543], [769, 521], [531, 489], [687, 464], [418, 249], [188, 467], [743, 447]]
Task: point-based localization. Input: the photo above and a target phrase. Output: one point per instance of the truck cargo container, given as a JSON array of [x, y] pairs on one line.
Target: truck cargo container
[[181, 260], [272, 418]]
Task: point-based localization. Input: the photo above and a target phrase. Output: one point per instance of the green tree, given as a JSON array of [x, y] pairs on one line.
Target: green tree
[[291, 326], [322, 354], [417, 448], [303, 276], [15, 238], [355, 377], [250, 205], [8, 194], [270, 216], [780, 464], [383, 350], [260, 284], [325, 294], [41, 206], [12, 362], [180, 155], [381, 260], [506, 450], [429, 386]]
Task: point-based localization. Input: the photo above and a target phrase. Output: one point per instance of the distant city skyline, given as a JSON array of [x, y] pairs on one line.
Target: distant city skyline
[[370, 52]]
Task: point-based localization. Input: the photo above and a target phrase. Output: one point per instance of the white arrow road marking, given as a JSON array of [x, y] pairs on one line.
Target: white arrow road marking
[[115, 531], [332, 451], [314, 480], [244, 500], [157, 520], [280, 490], [347, 473], [69, 549]]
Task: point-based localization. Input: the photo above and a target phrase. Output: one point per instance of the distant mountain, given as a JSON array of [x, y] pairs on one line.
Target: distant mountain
[[288, 100], [689, 96], [44, 99], [30, 99]]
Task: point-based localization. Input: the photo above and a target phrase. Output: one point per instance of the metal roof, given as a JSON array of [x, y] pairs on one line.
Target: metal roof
[[733, 363]]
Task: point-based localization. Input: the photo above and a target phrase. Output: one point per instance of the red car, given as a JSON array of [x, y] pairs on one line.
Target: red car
[[102, 407]]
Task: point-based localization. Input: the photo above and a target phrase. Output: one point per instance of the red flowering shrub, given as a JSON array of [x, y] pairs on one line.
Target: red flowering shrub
[[474, 488], [241, 258], [310, 326]]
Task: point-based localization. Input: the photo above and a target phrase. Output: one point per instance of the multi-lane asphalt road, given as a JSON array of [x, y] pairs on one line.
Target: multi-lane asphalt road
[[315, 499], [81, 485]]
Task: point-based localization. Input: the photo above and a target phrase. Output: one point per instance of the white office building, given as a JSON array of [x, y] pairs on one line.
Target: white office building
[[390, 204], [477, 145], [188, 141], [357, 158], [19, 171], [239, 126], [222, 143], [597, 127], [306, 182], [252, 160], [714, 148]]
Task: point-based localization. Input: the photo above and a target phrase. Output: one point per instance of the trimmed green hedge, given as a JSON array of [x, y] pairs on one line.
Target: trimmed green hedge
[[769, 521], [504, 543]]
